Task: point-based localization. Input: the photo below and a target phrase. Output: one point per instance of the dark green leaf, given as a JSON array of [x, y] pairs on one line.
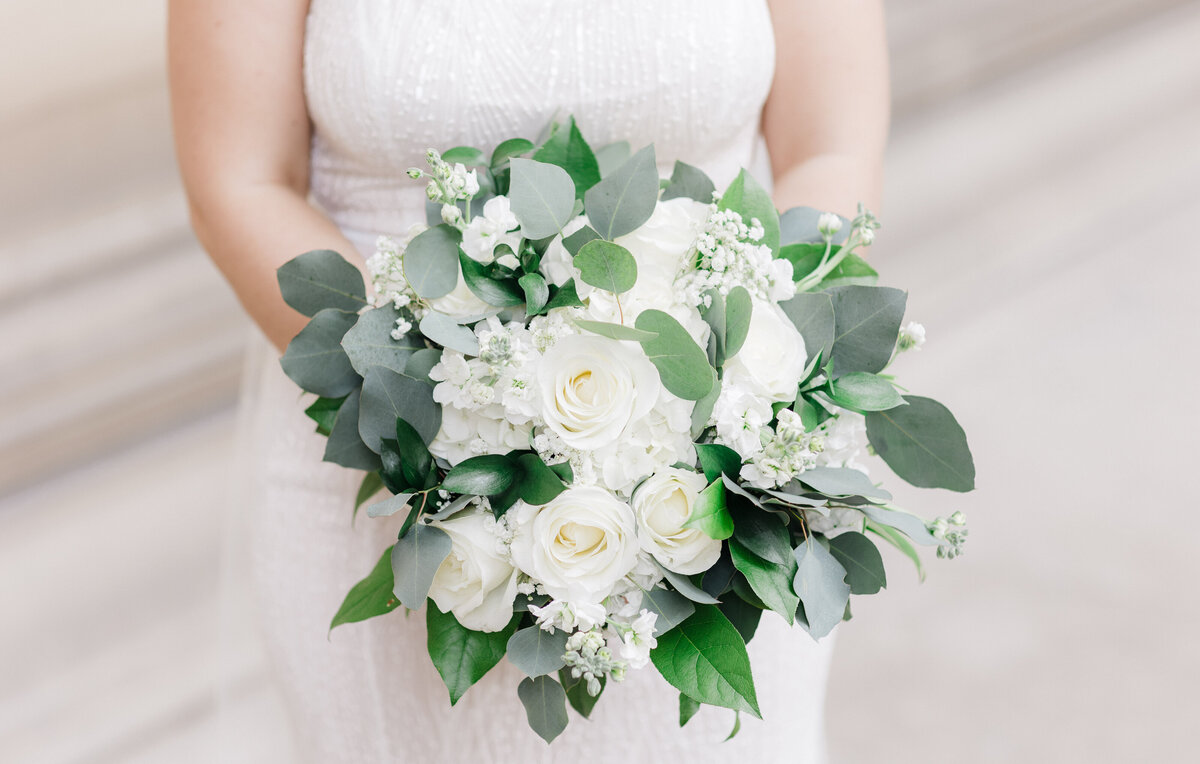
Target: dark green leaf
[[744, 617], [315, 359], [861, 559], [614, 331], [705, 658], [566, 148], [431, 261], [345, 445], [716, 459], [863, 392], [682, 365], [321, 280], [545, 706], [687, 709], [510, 148], [415, 560], [388, 396], [369, 343], [415, 458], [762, 533], [672, 608], [867, 327], [624, 200], [709, 513], [564, 297], [536, 651], [822, 588], [772, 582], [485, 475], [714, 315], [924, 444], [370, 597], [500, 292], [690, 182], [460, 655], [542, 197], [750, 200], [812, 314], [537, 292], [564, 472], [538, 483], [606, 266], [324, 411]]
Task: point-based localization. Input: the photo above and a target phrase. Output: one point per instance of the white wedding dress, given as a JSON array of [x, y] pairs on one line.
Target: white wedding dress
[[384, 80]]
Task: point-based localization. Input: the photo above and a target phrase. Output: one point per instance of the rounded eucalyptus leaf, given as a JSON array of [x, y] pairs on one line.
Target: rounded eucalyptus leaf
[[315, 359], [319, 280], [867, 327], [542, 197], [923, 444], [821, 586], [812, 315], [624, 200], [682, 365], [690, 182], [387, 396], [537, 652], [370, 342], [416, 558], [431, 261], [545, 704]]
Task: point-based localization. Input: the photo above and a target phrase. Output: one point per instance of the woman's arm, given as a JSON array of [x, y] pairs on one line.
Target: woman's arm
[[242, 136], [826, 118]]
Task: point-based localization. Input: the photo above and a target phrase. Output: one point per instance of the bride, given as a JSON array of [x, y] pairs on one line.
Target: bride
[[295, 122]]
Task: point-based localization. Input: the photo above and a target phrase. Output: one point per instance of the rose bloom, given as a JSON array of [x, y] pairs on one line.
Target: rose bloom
[[578, 546], [592, 387], [662, 504], [474, 582], [773, 358]]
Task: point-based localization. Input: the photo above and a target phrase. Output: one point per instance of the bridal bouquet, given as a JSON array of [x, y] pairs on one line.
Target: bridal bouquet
[[617, 418]]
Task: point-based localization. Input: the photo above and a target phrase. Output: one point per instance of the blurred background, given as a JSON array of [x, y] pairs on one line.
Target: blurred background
[[1043, 188]]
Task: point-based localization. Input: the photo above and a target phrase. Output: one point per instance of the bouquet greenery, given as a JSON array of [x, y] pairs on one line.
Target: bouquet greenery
[[617, 418]]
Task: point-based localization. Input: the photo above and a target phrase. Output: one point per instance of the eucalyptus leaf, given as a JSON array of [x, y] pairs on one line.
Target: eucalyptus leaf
[[606, 266], [861, 559], [867, 327], [910, 525], [813, 316], [702, 411], [690, 182], [746, 197], [460, 655], [390, 506], [705, 658], [370, 597], [709, 513], [421, 362], [842, 481], [320, 280], [614, 331], [447, 332], [545, 704], [566, 148], [672, 608], [799, 224], [821, 585], [415, 560], [431, 261], [714, 315], [315, 359], [369, 342], [536, 651], [624, 200], [612, 156], [577, 695], [738, 309], [542, 197], [772, 582], [923, 444], [682, 365], [575, 241], [863, 392], [345, 445], [388, 396]]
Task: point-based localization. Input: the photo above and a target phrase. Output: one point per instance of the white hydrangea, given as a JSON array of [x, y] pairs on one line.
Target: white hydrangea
[[843, 441]]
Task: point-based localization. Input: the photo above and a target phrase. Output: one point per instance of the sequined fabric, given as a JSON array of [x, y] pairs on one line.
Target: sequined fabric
[[386, 79]]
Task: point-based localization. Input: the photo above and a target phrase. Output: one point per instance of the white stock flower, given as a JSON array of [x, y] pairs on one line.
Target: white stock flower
[[475, 582], [460, 302], [557, 265], [494, 227], [591, 388], [843, 441], [840, 520], [638, 640], [568, 616], [662, 504], [740, 416], [773, 356], [578, 545]]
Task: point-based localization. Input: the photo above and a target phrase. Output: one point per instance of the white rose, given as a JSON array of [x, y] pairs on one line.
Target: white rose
[[591, 388], [460, 302], [578, 546], [662, 504], [773, 358], [494, 227], [475, 582]]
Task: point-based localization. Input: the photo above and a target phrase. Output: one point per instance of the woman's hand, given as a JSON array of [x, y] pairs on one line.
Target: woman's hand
[[242, 136], [826, 118]]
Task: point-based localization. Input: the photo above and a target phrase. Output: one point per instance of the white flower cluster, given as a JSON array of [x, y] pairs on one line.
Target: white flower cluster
[[787, 451], [497, 225], [447, 183], [728, 253]]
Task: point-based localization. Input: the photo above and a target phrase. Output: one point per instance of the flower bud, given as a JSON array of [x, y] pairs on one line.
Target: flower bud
[[829, 224], [451, 215]]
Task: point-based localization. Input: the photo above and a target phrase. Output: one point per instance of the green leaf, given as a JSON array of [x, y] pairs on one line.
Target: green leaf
[[575, 241], [863, 392], [687, 709], [672, 608], [324, 411], [370, 597], [345, 445], [388, 396], [564, 472], [861, 559], [898, 540], [485, 475], [577, 695], [842, 482], [770, 581], [612, 156], [762, 533], [690, 182], [806, 258], [422, 362], [714, 315], [682, 365], [614, 331], [624, 200], [371, 484], [389, 506], [542, 197], [321, 280], [315, 359], [716, 459], [449, 333], [606, 266], [564, 297], [851, 270], [467, 155], [799, 224], [502, 293], [910, 525], [431, 261], [416, 461], [460, 655], [924, 444], [545, 706], [536, 291], [710, 514], [738, 308], [703, 409], [750, 200], [369, 342], [537, 483], [684, 586], [813, 316], [705, 658], [416, 558], [822, 588], [566, 148], [744, 617], [536, 651], [509, 149], [867, 327], [737, 727]]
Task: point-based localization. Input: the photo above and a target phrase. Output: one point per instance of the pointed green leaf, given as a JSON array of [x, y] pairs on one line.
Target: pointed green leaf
[[324, 411], [500, 292], [705, 658], [770, 581], [415, 560], [577, 695], [709, 513], [545, 706], [485, 475], [566, 148], [762, 533], [460, 655], [684, 586], [370, 597], [536, 291], [509, 149], [751, 201], [863, 392], [537, 483], [717, 459], [924, 444], [687, 709]]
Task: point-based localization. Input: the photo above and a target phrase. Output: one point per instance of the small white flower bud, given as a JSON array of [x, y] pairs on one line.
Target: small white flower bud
[[829, 224], [867, 235], [912, 336], [471, 187], [451, 215], [414, 172]]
